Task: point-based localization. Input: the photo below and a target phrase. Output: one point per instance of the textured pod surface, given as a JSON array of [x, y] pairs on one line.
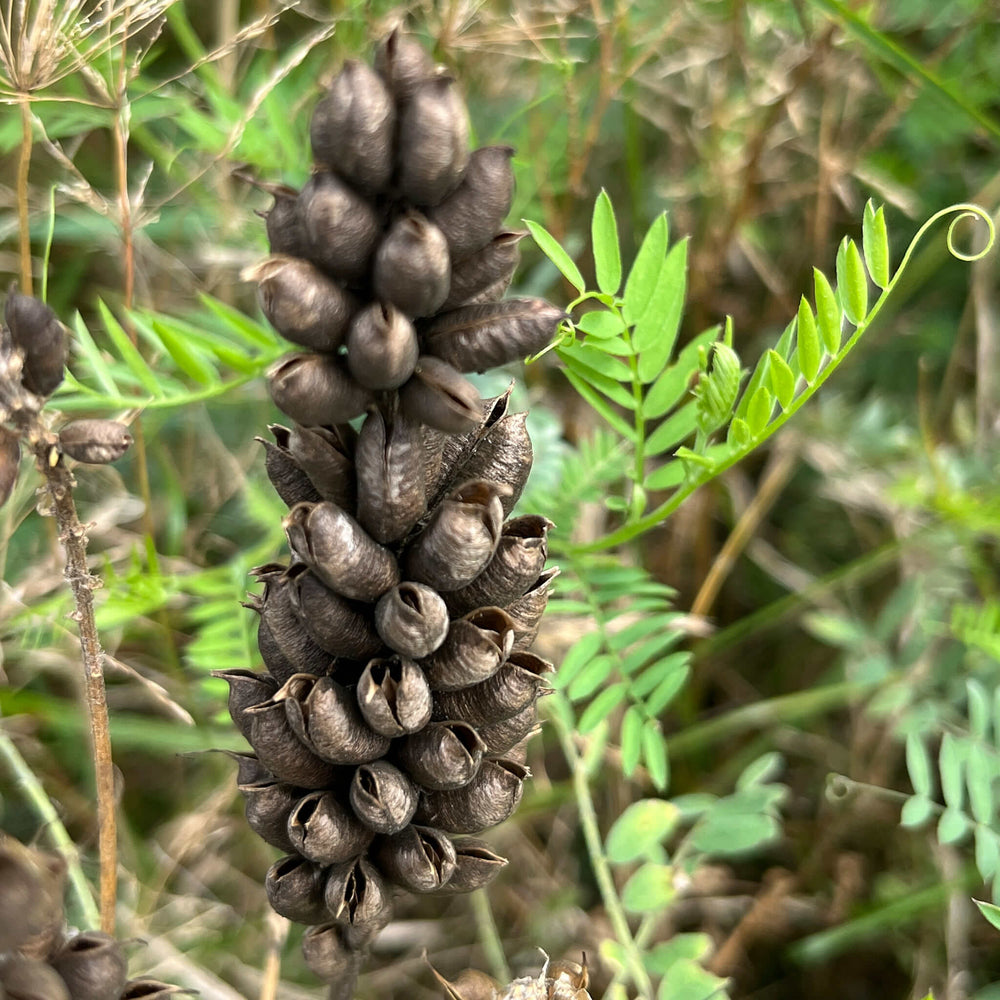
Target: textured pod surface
[[341, 227], [475, 647], [486, 801], [394, 697], [246, 689], [25, 978], [502, 455], [92, 965], [476, 865], [338, 626], [10, 457], [288, 478], [526, 611], [294, 889], [329, 953], [381, 346], [36, 329], [443, 755], [326, 456], [96, 442], [440, 397], [403, 64], [280, 751], [484, 275], [268, 804], [382, 797], [324, 831], [504, 734], [356, 895], [412, 619], [419, 858], [316, 389], [412, 267]]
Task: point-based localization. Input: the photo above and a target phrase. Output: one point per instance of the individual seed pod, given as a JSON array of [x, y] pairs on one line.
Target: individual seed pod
[[316, 389], [519, 751], [287, 477], [516, 564], [475, 338], [433, 141], [528, 609], [357, 896], [390, 480], [39, 921], [438, 395], [95, 442], [23, 978], [10, 458], [351, 129], [476, 865], [476, 209], [418, 858], [294, 888], [412, 619], [506, 693], [342, 228], [412, 267], [471, 984], [460, 538], [328, 716], [36, 329], [442, 755], [249, 769], [475, 647], [403, 63], [487, 800], [267, 805], [326, 832], [382, 797], [483, 276], [394, 697], [330, 955], [246, 689], [150, 989], [503, 734], [92, 965], [381, 347], [301, 302], [503, 454], [326, 456], [23, 909], [336, 625], [285, 232]]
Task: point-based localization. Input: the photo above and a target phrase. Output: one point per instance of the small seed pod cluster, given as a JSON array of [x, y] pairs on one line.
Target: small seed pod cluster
[[557, 981], [390, 723], [38, 960]]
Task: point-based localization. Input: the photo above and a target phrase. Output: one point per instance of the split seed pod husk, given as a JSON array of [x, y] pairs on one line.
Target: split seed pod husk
[[315, 389], [25, 903], [342, 229], [419, 858], [475, 211], [10, 458], [381, 346], [329, 954], [475, 338], [336, 625], [473, 650], [443, 755], [283, 223], [150, 989], [357, 896], [403, 63], [382, 797], [351, 129], [390, 478], [504, 734], [485, 275], [339, 551], [294, 888], [288, 478], [439, 396], [246, 689], [326, 456], [476, 865], [470, 984], [412, 266], [433, 141], [460, 538], [528, 609], [268, 804], [23, 978], [95, 442], [517, 563], [412, 619], [36, 329], [487, 800], [394, 697], [325, 831], [301, 302], [93, 966], [503, 455]]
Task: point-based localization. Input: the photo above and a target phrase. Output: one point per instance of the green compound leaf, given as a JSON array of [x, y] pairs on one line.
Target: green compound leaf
[[662, 957], [607, 255], [952, 826], [631, 740], [642, 279], [656, 329], [650, 889], [918, 764], [654, 750], [759, 410], [600, 323], [807, 346], [852, 282], [549, 246], [951, 764], [602, 706], [640, 829], [917, 810], [781, 379], [827, 312], [991, 912], [980, 772], [875, 240], [576, 658], [689, 981]]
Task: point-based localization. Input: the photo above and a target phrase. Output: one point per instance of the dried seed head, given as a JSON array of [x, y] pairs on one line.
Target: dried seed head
[[25, 978], [316, 389], [394, 697], [487, 800], [440, 397], [403, 64], [352, 128], [96, 442], [412, 619], [10, 457], [294, 888], [356, 895], [484, 275], [341, 227], [324, 831], [419, 858], [412, 266], [381, 347], [92, 965], [476, 865], [382, 797], [36, 329], [301, 302], [442, 755], [473, 650]]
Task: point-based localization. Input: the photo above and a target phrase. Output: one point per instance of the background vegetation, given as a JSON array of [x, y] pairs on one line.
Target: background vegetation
[[811, 757]]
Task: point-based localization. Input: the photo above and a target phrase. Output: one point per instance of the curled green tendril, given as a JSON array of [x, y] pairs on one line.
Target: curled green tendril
[[964, 210]]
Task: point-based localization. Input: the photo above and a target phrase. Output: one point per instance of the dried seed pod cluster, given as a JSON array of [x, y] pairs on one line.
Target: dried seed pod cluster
[[390, 723], [557, 981], [38, 961]]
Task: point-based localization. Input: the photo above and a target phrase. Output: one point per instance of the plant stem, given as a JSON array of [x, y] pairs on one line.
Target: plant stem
[[23, 165], [489, 936], [344, 987]]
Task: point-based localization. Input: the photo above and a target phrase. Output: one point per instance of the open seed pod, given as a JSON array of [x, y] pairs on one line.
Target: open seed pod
[[382, 797], [315, 389], [438, 395], [151, 989], [475, 647], [268, 805], [442, 755], [330, 954], [394, 696], [326, 456], [295, 889], [419, 858], [356, 895], [92, 965], [246, 689], [324, 831], [289, 479], [485, 801], [476, 865], [412, 619]]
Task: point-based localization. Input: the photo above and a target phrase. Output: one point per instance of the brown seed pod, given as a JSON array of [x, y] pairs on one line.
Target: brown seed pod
[[339, 551], [403, 64], [412, 267], [419, 858], [412, 619], [24, 902], [503, 734], [475, 338], [10, 457], [23, 978], [483, 276], [487, 800], [268, 804], [324, 831], [96, 442], [301, 302], [342, 228], [285, 232], [382, 797], [475, 647], [246, 689], [92, 965], [471, 984], [351, 129], [381, 347], [357, 896], [528, 609], [475, 211], [336, 625], [394, 697], [503, 455], [36, 329], [433, 141], [330, 954], [287, 477], [150, 989], [326, 456], [390, 479], [443, 755], [438, 395], [476, 865], [294, 888], [315, 389], [460, 538]]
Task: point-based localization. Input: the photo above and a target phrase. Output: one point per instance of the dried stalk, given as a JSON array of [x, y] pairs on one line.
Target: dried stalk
[[23, 165]]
